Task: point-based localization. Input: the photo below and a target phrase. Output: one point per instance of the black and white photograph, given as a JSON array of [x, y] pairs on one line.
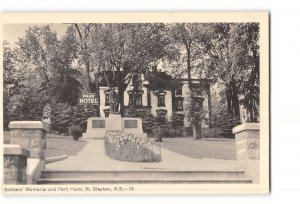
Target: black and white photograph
[[139, 103]]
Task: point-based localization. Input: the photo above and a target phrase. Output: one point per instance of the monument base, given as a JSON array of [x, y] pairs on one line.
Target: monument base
[[97, 126]]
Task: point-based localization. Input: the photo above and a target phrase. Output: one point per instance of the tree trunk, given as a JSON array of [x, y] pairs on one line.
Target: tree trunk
[[84, 49], [197, 131], [87, 69], [209, 106], [229, 100], [235, 100], [121, 94], [189, 68]]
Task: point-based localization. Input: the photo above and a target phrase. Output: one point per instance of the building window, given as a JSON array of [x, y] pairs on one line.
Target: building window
[[161, 100], [138, 100], [178, 91], [107, 99], [130, 100], [196, 92], [179, 105]]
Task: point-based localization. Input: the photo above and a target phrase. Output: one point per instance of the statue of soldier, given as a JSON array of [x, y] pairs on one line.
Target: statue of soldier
[[112, 100]]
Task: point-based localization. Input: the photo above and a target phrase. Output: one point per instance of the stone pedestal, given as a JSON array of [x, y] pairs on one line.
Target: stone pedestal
[[247, 140], [30, 135], [97, 127], [114, 122], [14, 163]]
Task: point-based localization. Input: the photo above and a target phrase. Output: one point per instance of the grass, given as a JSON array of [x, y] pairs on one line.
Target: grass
[[206, 148], [57, 145]]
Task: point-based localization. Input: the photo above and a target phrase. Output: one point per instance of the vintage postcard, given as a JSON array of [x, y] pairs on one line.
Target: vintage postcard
[[135, 103]]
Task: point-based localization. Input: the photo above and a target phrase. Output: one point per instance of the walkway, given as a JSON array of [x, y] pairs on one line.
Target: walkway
[[92, 158]]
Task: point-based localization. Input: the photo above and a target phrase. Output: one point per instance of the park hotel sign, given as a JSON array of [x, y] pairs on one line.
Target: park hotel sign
[[88, 99]]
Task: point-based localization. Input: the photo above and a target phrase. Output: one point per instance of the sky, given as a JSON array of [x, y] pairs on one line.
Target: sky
[[12, 32]]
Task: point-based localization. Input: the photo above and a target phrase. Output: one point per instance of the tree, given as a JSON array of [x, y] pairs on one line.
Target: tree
[[84, 35], [244, 52], [37, 51], [42, 54], [213, 47], [196, 114], [231, 54], [10, 82], [66, 88], [185, 35], [39, 71], [126, 48], [188, 36]]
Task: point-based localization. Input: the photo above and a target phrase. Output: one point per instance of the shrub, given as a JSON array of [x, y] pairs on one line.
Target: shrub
[[144, 114], [64, 115], [129, 147], [222, 124], [159, 132], [76, 132], [177, 132]]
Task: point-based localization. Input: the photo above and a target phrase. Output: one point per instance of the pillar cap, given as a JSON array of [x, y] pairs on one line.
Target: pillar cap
[[246, 126], [29, 125], [11, 149]]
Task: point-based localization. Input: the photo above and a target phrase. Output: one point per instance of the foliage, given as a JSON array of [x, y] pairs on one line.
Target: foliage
[[194, 110], [129, 147], [47, 114], [129, 48], [176, 126], [244, 52], [222, 123], [46, 69], [76, 132], [145, 115], [64, 115], [177, 132], [39, 71], [177, 120], [158, 133], [50, 60]]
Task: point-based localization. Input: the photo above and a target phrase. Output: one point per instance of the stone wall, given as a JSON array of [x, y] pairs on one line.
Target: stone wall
[[247, 139], [31, 136], [14, 164]]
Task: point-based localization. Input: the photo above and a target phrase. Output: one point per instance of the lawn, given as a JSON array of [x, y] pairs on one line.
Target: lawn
[[206, 148], [57, 145]]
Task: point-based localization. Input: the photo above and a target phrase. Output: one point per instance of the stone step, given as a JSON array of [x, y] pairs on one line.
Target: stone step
[[144, 180], [149, 174]]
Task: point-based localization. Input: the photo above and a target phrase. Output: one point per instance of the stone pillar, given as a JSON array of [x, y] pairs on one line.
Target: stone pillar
[[14, 163], [31, 135], [248, 149]]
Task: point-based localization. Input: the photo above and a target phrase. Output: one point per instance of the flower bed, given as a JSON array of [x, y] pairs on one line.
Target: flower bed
[[129, 147]]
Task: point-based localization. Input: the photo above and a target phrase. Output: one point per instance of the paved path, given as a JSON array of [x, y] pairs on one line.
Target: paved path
[[92, 157]]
